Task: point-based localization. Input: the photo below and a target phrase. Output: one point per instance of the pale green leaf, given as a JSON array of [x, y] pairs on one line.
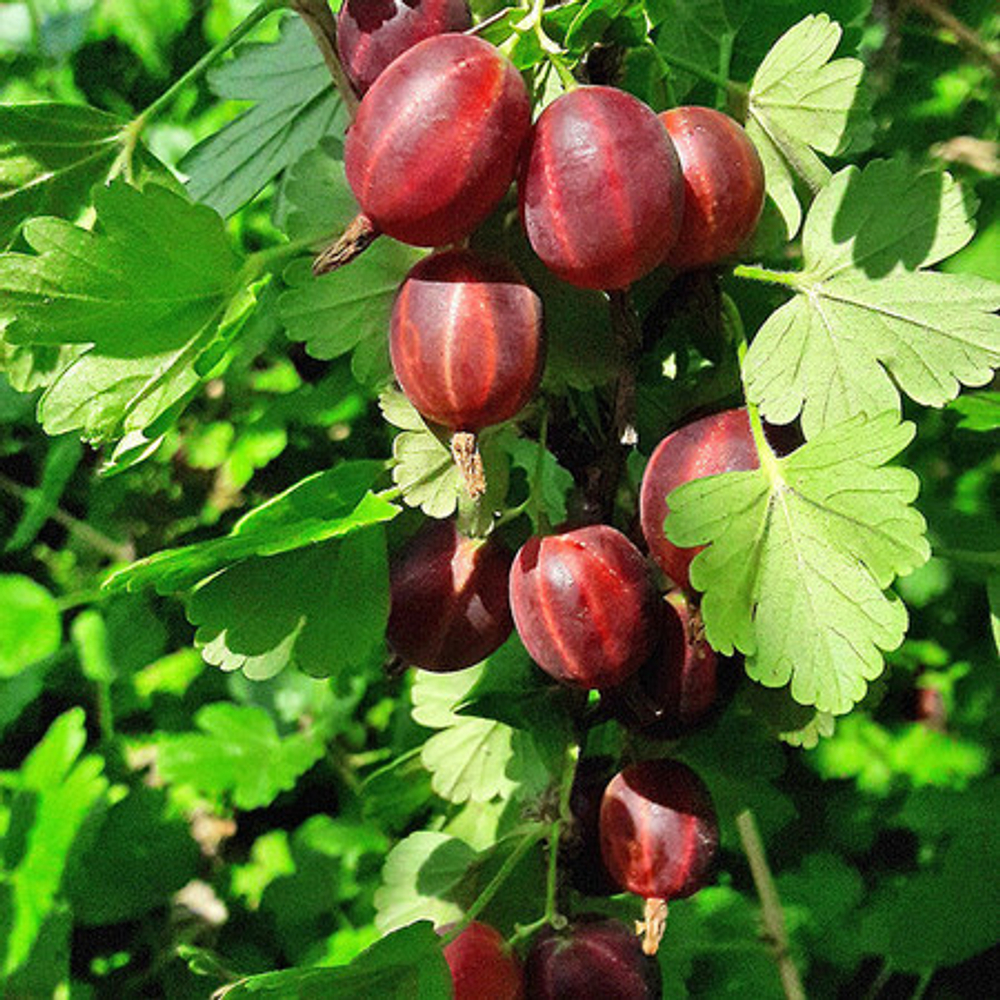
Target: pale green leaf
[[348, 309], [799, 103], [424, 878], [154, 272], [323, 608], [30, 627], [800, 558], [295, 106], [50, 157], [322, 506], [864, 324], [237, 753], [426, 473], [317, 200], [469, 758], [552, 482]]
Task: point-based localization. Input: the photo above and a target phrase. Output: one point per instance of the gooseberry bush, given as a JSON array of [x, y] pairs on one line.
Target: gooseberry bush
[[513, 443]]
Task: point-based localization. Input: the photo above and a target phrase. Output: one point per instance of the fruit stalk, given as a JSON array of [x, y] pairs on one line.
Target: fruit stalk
[[771, 911], [320, 21]]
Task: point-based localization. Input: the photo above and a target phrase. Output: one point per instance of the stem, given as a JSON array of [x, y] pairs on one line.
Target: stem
[[925, 980], [730, 87], [268, 260], [964, 35], [773, 915], [628, 335], [97, 540], [564, 819], [541, 520], [768, 460], [493, 886], [233, 38], [752, 272], [320, 21]]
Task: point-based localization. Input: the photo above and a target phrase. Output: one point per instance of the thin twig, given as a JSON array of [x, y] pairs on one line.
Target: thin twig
[[965, 36], [773, 914], [97, 540], [320, 20]]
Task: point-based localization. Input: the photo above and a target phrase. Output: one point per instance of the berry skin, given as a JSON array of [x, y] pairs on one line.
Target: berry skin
[[371, 33], [659, 833], [722, 442], [436, 140], [593, 957], [600, 190], [449, 605], [466, 339], [482, 966], [676, 687], [723, 185], [584, 605]]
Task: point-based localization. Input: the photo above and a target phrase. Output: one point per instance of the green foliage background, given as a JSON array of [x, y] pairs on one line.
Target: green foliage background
[[193, 793]]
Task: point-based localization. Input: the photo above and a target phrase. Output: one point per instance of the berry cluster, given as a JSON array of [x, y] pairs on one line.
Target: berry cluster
[[608, 191]]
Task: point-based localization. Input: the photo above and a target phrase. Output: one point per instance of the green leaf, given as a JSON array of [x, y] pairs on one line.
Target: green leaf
[[993, 593], [295, 106], [801, 102], [553, 481], [865, 324], [802, 550], [154, 272], [60, 463], [348, 310], [56, 793], [50, 157], [139, 858], [469, 758], [239, 753], [695, 32], [323, 608], [322, 506], [145, 26], [425, 878], [405, 965], [879, 758], [958, 854], [980, 411], [317, 200], [30, 628]]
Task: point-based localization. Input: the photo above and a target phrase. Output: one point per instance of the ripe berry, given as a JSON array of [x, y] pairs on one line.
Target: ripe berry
[[677, 686], [600, 191], [723, 185], [592, 957], [584, 605], [466, 339], [449, 605], [371, 33], [659, 834], [482, 966], [436, 140], [718, 443]]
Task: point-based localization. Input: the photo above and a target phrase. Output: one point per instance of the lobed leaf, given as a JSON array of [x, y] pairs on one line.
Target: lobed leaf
[[153, 272], [320, 507], [51, 155], [405, 965], [239, 753], [323, 608], [30, 626], [865, 322], [295, 107], [800, 102], [799, 555]]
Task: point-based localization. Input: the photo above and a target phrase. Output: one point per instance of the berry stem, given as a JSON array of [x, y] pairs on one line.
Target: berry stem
[[772, 913], [320, 21], [752, 272], [534, 834]]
